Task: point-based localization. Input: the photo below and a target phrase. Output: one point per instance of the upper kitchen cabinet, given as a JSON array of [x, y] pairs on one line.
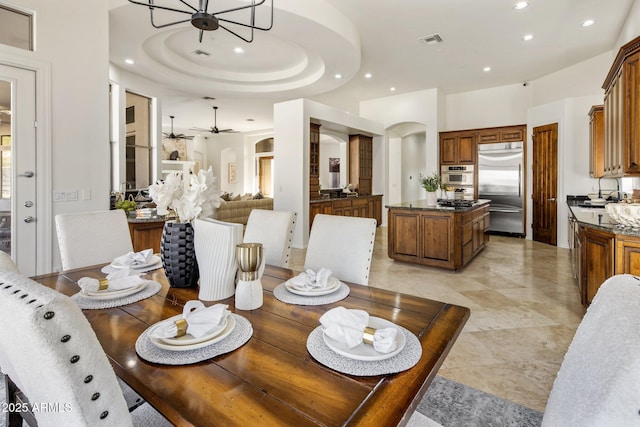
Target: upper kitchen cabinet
[[596, 141], [458, 148], [622, 113], [502, 134], [361, 163]]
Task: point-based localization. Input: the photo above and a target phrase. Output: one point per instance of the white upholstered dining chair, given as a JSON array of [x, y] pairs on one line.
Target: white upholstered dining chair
[[91, 238], [342, 244], [274, 229], [50, 352], [6, 263]]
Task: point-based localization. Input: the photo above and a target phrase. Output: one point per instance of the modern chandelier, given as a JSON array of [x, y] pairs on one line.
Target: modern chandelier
[[205, 20]]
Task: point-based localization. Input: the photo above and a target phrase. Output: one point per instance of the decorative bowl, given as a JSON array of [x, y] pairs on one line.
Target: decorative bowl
[[627, 214]]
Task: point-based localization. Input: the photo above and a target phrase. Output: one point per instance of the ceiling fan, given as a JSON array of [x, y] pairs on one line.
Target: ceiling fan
[[215, 129], [173, 135]]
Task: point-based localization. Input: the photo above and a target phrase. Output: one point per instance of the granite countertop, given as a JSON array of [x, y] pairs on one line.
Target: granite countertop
[[343, 198], [422, 206], [597, 217], [143, 220]]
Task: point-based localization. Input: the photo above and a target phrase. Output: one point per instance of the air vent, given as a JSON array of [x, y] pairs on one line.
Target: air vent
[[201, 52], [432, 39]]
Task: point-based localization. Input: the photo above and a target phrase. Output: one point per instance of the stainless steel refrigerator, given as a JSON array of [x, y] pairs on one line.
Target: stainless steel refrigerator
[[500, 179]]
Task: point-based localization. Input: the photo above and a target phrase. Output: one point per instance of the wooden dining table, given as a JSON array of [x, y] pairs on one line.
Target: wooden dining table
[[272, 379]]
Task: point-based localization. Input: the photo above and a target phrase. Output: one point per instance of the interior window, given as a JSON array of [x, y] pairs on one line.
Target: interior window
[[138, 141], [16, 28]]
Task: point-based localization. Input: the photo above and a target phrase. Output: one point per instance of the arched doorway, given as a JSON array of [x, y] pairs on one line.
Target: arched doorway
[[407, 159]]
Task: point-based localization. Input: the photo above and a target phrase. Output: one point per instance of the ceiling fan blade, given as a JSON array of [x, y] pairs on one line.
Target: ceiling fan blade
[[228, 131]]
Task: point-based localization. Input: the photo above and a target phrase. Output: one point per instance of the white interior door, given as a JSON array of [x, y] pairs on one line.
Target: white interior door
[[18, 201]]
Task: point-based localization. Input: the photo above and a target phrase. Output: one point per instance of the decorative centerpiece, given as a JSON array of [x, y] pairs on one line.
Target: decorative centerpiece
[[183, 203], [431, 184]]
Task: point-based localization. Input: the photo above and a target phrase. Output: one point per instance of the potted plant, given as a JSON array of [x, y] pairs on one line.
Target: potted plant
[[431, 184]]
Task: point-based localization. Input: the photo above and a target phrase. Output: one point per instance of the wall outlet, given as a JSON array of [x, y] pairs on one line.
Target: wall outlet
[[65, 196]]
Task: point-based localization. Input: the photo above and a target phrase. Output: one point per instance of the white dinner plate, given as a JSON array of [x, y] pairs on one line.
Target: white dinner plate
[[153, 260], [188, 339], [231, 323], [107, 294], [366, 351], [332, 286]]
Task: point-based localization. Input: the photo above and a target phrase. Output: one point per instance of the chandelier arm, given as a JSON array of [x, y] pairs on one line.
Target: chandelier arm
[[154, 25], [247, 25], [238, 35], [152, 6], [253, 5]]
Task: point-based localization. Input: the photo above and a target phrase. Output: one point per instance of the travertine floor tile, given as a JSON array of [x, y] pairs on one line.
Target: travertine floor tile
[[525, 308]]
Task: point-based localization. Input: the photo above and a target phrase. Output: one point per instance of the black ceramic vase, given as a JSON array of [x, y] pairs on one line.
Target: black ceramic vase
[[178, 254]]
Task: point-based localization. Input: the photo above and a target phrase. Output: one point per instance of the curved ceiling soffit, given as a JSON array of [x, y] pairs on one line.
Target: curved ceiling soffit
[[298, 57], [404, 129]]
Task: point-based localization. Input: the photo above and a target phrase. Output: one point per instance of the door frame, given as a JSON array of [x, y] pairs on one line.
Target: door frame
[[44, 217]]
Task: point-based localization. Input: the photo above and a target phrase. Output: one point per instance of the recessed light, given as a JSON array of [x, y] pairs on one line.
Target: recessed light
[[588, 23], [337, 76], [129, 61], [520, 5], [368, 75], [527, 37], [486, 69], [392, 89], [238, 50]]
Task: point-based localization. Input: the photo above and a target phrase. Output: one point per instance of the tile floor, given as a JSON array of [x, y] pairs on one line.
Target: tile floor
[[524, 305]]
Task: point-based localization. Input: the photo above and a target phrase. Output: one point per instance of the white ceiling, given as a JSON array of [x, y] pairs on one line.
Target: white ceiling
[[312, 40]]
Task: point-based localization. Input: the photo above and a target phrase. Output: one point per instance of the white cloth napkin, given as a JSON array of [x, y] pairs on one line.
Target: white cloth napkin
[[116, 281], [347, 326], [134, 258], [200, 320], [310, 280]]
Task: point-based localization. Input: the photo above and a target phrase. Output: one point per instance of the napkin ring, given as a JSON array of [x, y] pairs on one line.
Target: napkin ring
[[181, 324], [103, 284], [367, 335]]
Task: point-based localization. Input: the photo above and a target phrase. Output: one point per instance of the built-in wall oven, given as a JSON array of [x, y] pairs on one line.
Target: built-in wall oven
[[459, 176]]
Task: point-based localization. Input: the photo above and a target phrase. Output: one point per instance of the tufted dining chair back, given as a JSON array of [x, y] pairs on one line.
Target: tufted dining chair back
[[6, 263], [274, 229], [51, 353], [91, 238], [342, 244]]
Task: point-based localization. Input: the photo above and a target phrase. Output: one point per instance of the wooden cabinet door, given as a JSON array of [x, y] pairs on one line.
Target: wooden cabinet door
[[404, 234], [596, 141], [628, 256], [448, 150], [146, 235], [467, 150], [631, 136], [598, 252], [438, 242], [360, 207]]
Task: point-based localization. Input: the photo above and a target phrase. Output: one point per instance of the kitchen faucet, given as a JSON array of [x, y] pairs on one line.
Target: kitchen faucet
[[617, 186]]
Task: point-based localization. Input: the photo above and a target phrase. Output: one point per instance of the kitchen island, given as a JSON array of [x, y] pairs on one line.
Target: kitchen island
[[437, 236]]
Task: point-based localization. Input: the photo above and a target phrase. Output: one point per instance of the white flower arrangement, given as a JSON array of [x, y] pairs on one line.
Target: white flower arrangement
[[200, 198]]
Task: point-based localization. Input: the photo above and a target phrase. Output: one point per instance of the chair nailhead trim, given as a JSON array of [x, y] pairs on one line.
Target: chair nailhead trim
[[88, 379], [104, 415], [49, 315], [74, 359], [24, 296], [95, 396], [65, 338]]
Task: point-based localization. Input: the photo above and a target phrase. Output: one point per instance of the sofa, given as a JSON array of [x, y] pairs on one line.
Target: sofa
[[238, 210]]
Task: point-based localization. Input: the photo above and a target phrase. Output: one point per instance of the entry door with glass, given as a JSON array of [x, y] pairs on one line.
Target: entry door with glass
[[18, 180]]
